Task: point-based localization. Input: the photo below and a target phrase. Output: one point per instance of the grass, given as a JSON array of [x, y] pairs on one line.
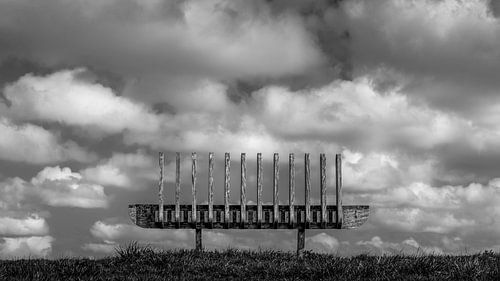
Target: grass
[[135, 262]]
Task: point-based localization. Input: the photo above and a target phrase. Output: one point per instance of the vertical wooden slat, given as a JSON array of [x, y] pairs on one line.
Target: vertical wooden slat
[[227, 186], [193, 185], [338, 188], [259, 188], [322, 175], [276, 173], [243, 199], [177, 187], [291, 186], [160, 187], [307, 179], [210, 186]]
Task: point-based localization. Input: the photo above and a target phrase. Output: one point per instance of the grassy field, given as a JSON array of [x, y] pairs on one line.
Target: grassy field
[[142, 263]]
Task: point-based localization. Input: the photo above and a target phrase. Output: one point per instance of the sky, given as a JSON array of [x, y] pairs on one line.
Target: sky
[[407, 91]]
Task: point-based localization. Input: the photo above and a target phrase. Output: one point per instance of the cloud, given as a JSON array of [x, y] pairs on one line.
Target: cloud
[[122, 234], [67, 97], [342, 113], [224, 39], [128, 170], [34, 144], [405, 195], [53, 186], [100, 248], [60, 187], [446, 209], [115, 234], [24, 247], [354, 113], [409, 247], [446, 49], [12, 192], [445, 38], [322, 243], [32, 225]]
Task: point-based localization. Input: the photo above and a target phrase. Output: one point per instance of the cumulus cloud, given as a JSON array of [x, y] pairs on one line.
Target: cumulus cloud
[[113, 234], [34, 144], [322, 243], [12, 193], [355, 113], [408, 246], [32, 225], [118, 233], [405, 195], [61, 187], [24, 247], [128, 170], [53, 186], [104, 248], [67, 97], [343, 113], [447, 209]]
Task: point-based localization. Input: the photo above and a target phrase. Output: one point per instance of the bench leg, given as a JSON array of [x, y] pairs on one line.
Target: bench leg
[[301, 241], [199, 245]]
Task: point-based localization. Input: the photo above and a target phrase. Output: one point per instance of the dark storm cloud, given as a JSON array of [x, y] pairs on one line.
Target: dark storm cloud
[[299, 44], [215, 39], [448, 50]]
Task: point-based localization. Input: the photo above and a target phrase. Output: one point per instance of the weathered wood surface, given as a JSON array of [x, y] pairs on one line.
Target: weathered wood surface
[[259, 188], [322, 176], [291, 187], [211, 186], [227, 184], [146, 216], [276, 178], [307, 179], [177, 185], [160, 184], [243, 188], [193, 184], [338, 187]]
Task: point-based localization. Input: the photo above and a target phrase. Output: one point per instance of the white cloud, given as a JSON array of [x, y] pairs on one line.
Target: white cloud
[[342, 113], [128, 170], [104, 248], [253, 41], [33, 144], [52, 186], [61, 187], [12, 192], [322, 243], [447, 209], [124, 233], [356, 113], [24, 247], [32, 225], [178, 93], [408, 246], [66, 97]]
